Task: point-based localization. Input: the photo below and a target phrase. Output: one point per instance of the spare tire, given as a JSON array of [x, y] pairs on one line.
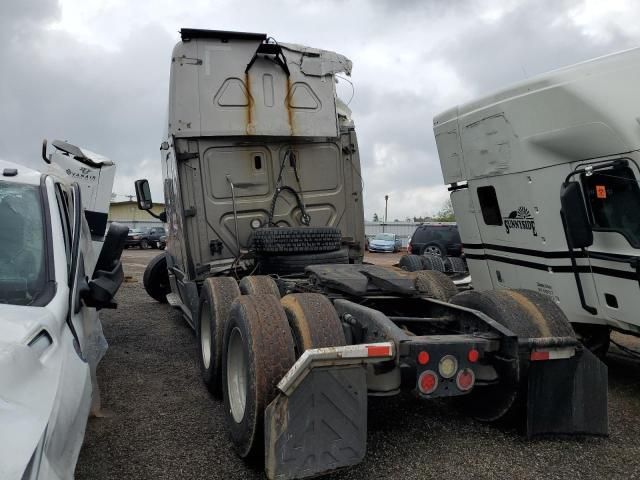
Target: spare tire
[[292, 240], [436, 285], [411, 263], [433, 262], [455, 265], [156, 278], [288, 264]]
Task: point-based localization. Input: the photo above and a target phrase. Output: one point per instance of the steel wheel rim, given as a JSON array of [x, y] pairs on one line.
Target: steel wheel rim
[[433, 250], [205, 335], [236, 375]]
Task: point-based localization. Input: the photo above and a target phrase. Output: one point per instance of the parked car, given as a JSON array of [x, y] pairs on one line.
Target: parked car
[[149, 238], [385, 242], [51, 340], [440, 239]]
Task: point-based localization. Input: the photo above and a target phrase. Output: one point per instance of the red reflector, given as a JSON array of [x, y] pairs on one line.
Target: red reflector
[[537, 355], [428, 382], [465, 379], [376, 351], [473, 355], [423, 358]]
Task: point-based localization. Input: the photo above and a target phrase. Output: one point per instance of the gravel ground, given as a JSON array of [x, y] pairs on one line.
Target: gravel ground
[[160, 422]]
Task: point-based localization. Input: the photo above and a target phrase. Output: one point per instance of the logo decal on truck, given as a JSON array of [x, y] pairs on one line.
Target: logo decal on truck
[[520, 219], [83, 174]]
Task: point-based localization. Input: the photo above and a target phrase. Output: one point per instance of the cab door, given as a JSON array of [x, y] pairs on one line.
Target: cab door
[[73, 399], [613, 202]]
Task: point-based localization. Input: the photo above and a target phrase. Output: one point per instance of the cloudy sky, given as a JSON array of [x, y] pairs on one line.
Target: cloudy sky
[[95, 72]]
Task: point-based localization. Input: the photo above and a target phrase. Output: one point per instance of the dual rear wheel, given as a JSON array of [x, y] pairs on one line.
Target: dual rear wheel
[[255, 338]]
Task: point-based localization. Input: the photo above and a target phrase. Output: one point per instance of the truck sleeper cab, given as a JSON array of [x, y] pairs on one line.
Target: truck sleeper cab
[[509, 158], [294, 331]]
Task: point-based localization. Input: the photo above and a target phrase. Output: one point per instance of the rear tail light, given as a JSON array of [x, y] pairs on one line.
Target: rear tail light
[[428, 382], [473, 355], [448, 366], [409, 247], [465, 379], [423, 358]]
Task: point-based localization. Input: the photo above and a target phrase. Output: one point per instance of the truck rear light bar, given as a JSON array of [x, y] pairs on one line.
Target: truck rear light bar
[[334, 356]]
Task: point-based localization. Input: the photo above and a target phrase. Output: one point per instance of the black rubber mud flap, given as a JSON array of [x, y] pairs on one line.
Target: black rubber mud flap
[[568, 396], [321, 426]]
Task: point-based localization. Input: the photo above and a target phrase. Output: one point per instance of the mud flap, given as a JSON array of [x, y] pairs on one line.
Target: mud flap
[[568, 396], [321, 426]]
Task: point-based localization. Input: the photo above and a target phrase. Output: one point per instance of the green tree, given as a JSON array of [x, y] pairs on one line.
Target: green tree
[[375, 217], [445, 214]]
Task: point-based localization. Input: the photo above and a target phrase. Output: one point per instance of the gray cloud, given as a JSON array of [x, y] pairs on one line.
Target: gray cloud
[[411, 61]]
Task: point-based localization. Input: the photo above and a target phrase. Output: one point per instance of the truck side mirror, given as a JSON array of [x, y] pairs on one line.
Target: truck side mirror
[[107, 275], [143, 194], [578, 227]]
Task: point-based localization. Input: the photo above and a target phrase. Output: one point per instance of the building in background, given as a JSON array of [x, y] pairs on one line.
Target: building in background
[[127, 212]]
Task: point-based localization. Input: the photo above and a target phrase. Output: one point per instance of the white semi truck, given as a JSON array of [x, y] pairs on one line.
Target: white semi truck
[[544, 184], [264, 259]]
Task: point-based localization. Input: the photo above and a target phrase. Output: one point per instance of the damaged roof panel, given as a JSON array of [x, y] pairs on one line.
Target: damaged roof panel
[[228, 85]]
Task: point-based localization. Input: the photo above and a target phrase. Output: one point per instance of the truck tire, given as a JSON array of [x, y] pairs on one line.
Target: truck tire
[[433, 262], [156, 278], [259, 285], [313, 320], [455, 265], [292, 240], [411, 263], [216, 296], [526, 313], [144, 244], [258, 351], [291, 264], [436, 285]]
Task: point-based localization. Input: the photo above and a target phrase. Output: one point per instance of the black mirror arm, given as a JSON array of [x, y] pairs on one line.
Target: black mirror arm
[[162, 216], [574, 267], [592, 168]]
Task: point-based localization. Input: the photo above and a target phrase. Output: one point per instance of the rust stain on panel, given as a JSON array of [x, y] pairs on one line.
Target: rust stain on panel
[[290, 112], [251, 129]]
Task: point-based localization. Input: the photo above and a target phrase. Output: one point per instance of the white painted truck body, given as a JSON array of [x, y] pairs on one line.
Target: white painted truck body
[[47, 377], [95, 174], [520, 145]]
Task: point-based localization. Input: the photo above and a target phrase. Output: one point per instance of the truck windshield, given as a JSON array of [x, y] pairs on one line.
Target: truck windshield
[[22, 246]]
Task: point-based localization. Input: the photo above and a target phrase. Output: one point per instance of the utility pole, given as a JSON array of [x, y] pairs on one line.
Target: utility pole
[[386, 203]]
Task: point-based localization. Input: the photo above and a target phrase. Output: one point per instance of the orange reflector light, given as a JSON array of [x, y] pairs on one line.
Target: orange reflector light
[[423, 358], [473, 355], [378, 351], [428, 382], [465, 379]]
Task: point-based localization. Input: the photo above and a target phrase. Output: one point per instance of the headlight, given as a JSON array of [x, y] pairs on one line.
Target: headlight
[[137, 237]]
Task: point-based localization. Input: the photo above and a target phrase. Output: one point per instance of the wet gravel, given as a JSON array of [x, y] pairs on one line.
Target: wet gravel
[[160, 422]]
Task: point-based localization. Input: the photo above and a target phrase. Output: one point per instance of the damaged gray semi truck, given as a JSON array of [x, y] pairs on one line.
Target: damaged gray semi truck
[[264, 259]]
